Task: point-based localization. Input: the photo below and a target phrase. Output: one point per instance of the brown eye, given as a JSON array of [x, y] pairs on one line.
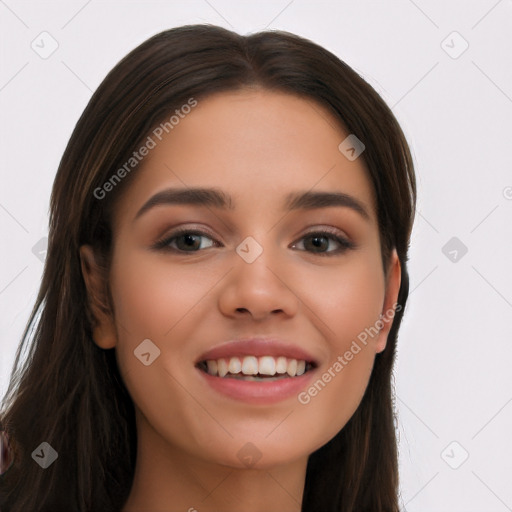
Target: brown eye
[[184, 240], [318, 242]]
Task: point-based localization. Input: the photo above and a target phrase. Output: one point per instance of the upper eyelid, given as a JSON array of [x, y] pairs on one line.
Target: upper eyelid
[[332, 230]]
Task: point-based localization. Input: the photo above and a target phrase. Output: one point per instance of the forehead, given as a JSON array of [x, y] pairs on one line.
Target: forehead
[[258, 145]]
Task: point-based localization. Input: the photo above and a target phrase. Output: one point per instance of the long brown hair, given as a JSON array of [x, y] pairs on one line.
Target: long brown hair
[[68, 392]]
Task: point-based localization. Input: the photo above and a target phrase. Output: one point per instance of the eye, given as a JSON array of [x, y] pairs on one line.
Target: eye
[[189, 240], [184, 240], [318, 240]]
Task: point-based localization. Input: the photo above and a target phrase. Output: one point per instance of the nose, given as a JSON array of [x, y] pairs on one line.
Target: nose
[[258, 289]]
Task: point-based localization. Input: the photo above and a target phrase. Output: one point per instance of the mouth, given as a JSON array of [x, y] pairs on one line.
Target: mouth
[[257, 369]]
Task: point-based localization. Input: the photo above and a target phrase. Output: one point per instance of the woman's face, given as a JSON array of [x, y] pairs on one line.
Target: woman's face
[[253, 268]]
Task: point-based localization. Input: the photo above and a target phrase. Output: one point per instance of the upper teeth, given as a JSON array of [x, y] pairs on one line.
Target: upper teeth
[[251, 365]]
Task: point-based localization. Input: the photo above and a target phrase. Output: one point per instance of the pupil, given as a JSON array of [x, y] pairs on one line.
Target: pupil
[[317, 240], [189, 240]]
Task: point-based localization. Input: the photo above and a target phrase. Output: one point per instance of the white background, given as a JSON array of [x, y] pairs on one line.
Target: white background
[[453, 376]]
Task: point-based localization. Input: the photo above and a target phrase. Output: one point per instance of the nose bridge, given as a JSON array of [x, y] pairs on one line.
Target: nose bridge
[[257, 260], [257, 283]]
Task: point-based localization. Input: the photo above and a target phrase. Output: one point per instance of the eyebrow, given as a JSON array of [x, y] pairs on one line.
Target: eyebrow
[[216, 198]]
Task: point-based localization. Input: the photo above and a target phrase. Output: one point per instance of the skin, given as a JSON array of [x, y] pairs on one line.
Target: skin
[[258, 146]]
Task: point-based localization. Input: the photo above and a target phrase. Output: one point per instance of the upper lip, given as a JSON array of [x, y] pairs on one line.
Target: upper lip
[[257, 347]]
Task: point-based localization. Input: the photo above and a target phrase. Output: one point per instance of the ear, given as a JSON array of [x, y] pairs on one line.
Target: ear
[[393, 281], [104, 332]]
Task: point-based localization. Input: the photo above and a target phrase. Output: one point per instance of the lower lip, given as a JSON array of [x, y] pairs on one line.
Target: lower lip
[[258, 392]]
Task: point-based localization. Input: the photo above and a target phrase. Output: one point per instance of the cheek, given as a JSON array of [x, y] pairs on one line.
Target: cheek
[[158, 301], [346, 299], [151, 295], [348, 304], [153, 300]]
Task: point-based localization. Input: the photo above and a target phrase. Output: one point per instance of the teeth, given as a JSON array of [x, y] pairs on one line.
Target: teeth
[[212, 367], [252, 366], [235, 366], [292, 367], [267, 365], [281, 365], [222, 366]]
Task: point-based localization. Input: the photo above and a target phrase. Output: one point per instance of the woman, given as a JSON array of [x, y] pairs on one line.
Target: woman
[[225, 279]]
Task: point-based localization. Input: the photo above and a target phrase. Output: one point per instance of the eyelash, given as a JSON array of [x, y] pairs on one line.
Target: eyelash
[[163, 244]]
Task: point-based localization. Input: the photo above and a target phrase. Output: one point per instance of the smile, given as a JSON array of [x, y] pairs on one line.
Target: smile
[[263, 380], [252, 368]]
